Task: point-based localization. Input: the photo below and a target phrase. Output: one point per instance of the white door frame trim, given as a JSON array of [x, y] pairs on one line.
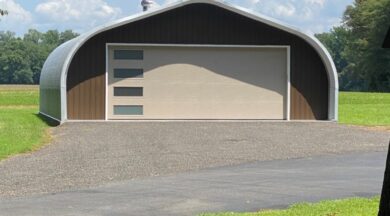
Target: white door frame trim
[[287, 47], [106, 87]]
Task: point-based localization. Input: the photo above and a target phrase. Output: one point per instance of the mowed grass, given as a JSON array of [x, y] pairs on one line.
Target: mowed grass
[[19, 95], [21, 129], [346, 207], [367, 109]]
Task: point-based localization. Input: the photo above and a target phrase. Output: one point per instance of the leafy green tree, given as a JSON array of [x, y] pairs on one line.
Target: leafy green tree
[[6, 36], [12, 62], [36, 55], [336, 41], [21, 59], [23, 76], [369, 21], [51, 37], [33, 36], [67, 35], [356, 46]]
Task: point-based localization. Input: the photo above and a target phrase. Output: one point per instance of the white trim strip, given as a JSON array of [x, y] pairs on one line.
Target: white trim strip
[[197, 45], [51, 117], [106, 87], [288, 109]]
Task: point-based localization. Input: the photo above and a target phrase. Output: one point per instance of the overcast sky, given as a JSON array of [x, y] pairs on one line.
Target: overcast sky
[[312, 16]]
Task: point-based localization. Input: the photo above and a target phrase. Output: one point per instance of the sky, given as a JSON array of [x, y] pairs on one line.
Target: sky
[[311, 16]]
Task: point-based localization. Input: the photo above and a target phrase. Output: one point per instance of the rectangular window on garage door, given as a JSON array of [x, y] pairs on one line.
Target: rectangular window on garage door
[[128, 54], [128, 110], [122, 73], [128, 91]]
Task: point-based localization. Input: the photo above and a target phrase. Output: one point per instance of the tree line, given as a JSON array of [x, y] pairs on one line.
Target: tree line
[[356, 46], [22, 58]]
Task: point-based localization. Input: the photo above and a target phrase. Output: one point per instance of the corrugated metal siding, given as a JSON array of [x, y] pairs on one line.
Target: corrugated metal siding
[[50, 81], [86, 93], [199, 24]]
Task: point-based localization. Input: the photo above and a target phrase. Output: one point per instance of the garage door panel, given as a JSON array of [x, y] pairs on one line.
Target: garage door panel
[[192, 110], [206, 83], [187, 110], [127, 64], [234, 64], [210, 92]]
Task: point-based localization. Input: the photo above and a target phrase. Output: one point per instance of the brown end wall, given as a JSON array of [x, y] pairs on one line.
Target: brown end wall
[[197, 23]]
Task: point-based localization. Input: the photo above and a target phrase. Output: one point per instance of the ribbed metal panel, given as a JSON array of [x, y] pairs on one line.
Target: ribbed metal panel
[[50, 81]]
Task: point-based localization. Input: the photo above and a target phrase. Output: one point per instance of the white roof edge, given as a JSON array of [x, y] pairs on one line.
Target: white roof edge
[[314, 42]]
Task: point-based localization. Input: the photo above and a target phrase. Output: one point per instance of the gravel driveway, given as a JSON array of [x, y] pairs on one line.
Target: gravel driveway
[[91, 154]]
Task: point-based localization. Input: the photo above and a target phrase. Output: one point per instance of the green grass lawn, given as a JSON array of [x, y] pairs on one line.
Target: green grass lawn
[[346, 207], [21, 130], [367, 109], [19, 95]]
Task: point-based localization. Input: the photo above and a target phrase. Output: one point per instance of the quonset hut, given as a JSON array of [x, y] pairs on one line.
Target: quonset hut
[[194, 59]]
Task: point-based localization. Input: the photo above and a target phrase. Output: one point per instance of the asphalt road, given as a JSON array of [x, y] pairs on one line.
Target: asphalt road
[[249, 187], [93, 154]]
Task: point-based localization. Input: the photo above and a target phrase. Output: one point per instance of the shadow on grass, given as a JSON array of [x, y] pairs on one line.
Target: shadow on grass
[[49, 121]]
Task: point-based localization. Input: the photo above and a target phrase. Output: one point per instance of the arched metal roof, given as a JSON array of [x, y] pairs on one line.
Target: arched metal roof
[[54, 71]]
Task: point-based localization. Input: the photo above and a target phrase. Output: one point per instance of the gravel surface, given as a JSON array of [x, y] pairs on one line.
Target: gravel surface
[[92, 154]]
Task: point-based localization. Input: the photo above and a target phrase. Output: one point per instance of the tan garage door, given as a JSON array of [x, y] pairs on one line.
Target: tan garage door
[[196, 83]]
